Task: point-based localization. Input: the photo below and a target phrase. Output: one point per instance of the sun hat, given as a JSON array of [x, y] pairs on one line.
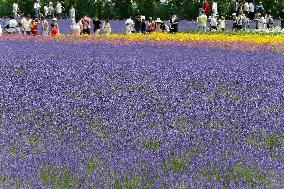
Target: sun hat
[[54, 19], [158, 20], [143, 17]]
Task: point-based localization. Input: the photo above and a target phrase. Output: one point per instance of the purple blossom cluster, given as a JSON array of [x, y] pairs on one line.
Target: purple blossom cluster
[[140, 116]]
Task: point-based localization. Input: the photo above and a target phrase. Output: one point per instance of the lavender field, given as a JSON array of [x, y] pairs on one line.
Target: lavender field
[[140, 116]]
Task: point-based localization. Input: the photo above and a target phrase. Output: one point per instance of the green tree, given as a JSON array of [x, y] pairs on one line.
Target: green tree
[[186, 9]]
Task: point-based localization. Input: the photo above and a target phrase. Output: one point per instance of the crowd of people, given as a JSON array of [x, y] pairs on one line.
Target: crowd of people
[[245, 12], [19, 23]]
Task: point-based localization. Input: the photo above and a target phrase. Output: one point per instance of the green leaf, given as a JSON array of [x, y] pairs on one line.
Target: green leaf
[[44, 177], [92, 165], [152, 144], [117, 185]]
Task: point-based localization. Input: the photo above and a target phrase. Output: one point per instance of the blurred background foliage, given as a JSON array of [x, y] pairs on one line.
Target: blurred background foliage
[[120, 9]]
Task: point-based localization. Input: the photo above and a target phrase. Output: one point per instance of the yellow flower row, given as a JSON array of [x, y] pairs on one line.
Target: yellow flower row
[[216, 37]]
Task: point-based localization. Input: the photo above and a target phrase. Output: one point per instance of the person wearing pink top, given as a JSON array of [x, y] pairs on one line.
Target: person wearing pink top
[[86, 22]]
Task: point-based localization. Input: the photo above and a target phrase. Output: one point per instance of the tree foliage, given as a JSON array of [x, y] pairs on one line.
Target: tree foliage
[[187, 9]]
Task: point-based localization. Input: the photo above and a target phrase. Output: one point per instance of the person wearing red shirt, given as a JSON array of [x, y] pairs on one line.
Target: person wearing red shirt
[[54, 30], [34, 26], [206, 8]]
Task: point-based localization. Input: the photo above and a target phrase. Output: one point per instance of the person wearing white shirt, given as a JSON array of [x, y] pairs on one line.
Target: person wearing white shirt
[[77, 26], [50, 10], [214, 8], [72, 13], [251, 11], [1, 28], [15, 9], [222, 23], [262, 23], [213, 23], [245, 21], [246, 7], [269, 20], [58, 9], [129, 26], [237, 7], [37, 9], [106, 27], [11, 25], [26, 21], [45, 26], [46, 10]]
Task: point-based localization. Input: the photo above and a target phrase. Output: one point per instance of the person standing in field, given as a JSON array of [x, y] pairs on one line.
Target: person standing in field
[[251, 11], [37, 8], [158, 23], [214, 8], [245, 22], [15, 9], [129, 25], [150, 25], [222, 23], [202, 21], [143, 25], [63, 9], [200, 6], [257, 19], [1, 31], [72, 13], [174, 21], [237, 7], [11, 25], [269, 20], [45, 10], [246, 8], [97, 25], [281, 17], [44, 25], [137, 22], [58, 10], [213, 23], [235, 21], [54, 22], [26, 21], [19, 29], [34, 26], [54, 30], [76, 27], [106, 28], [164, 27], [50, 10], [86, 22], [206, 8]]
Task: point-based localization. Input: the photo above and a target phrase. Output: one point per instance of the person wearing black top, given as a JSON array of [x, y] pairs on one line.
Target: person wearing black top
[[97, 25], [281, 17], [63, 9], [174, 23], [138, 22], [143, 26]]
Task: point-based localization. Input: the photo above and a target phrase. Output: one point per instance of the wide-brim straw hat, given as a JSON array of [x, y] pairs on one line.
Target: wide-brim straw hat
[[158, 20]]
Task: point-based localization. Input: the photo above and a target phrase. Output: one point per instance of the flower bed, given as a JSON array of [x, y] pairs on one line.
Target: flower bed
[[167, 112]]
